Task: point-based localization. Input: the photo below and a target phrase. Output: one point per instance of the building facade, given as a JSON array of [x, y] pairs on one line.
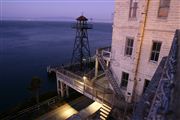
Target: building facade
[[143, 31]]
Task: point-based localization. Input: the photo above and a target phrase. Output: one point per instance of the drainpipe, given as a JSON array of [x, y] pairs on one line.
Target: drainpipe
[[140, 39]]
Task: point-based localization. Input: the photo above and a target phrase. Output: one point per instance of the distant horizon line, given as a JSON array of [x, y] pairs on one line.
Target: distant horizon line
[[59, 1], [36, 20]]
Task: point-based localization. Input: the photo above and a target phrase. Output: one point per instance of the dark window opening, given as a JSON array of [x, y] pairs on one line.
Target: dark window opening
[[124, 79], [146, 83], [155, 51], [129, 46]]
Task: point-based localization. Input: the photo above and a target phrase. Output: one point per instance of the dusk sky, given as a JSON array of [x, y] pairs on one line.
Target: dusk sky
[[99, 10]]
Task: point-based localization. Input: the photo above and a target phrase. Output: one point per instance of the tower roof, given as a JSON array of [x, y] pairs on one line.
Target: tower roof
[[82, 18]]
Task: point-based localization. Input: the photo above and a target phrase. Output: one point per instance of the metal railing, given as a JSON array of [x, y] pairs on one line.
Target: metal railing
[[109, 74], [87, 87], [107, 48], [82, 26], [91, 74], [106, 55], [31, 109]]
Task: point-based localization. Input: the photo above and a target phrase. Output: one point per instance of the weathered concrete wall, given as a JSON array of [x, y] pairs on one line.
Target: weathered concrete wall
[[156, 29]]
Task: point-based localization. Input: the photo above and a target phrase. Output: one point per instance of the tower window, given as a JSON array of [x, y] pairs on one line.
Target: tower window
[[129, 46], [124, 80], [133, 9], [163, 8], [155, 51]]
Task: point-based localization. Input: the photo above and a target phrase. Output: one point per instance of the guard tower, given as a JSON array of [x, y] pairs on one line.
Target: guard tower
[[81, 50]]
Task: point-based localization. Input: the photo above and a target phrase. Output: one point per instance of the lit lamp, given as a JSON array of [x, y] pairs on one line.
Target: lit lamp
[[84, 78]]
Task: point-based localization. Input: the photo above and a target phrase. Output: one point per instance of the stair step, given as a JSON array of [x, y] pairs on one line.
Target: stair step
[[107, 106], [104, 115], [104, 111], [102, 118]]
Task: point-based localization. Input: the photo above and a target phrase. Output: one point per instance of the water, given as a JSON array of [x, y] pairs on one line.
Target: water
[[27, 48]]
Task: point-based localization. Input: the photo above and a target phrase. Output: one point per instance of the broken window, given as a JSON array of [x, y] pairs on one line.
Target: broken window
[[133, 9], [163, 8]]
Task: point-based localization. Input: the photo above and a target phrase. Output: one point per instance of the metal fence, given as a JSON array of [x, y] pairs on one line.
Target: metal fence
[[32, 109], [91, 89]]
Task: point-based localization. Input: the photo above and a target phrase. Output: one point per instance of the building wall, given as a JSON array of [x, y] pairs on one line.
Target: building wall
[[158, 29]]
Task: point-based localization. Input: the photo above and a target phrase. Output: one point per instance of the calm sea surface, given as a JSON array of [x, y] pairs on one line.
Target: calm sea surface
[[27, 48]]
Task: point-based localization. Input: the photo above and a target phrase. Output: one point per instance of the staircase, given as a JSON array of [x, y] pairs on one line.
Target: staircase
[[109, 75], [104, 111]]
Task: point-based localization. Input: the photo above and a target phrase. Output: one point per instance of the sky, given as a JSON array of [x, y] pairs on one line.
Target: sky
[[98, 10]]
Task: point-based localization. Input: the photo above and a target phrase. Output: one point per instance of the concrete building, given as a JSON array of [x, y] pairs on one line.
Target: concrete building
[[143, 31]]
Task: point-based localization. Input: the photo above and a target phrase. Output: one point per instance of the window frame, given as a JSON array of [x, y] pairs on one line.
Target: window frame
[[124, 80], [128, 51], [133, 9], [156, 52], [161, 6]]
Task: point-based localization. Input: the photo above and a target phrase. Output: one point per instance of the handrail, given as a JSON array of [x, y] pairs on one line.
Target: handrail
[[107, 48], [70, 74], [71, 80], [110, 76], [30, 109], [99, 76], [87, 25], [91, 74], [93, 90]]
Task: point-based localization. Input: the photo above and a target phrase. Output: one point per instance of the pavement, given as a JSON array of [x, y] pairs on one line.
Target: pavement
[[90, 110], [67, 109]]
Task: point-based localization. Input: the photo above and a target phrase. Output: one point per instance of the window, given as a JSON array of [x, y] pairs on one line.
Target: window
[[155, 51], [129, 46], [133, 9], [146, 83], [124, 79], [163, 8]]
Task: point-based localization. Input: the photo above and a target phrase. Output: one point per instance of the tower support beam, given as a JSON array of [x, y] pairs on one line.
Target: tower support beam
[[81, 50]]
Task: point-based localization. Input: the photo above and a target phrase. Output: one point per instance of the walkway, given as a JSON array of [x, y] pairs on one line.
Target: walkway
[[91, 109], [67, 110]]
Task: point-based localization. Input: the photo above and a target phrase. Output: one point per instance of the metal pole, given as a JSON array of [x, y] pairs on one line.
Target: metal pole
[[96, 65]]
